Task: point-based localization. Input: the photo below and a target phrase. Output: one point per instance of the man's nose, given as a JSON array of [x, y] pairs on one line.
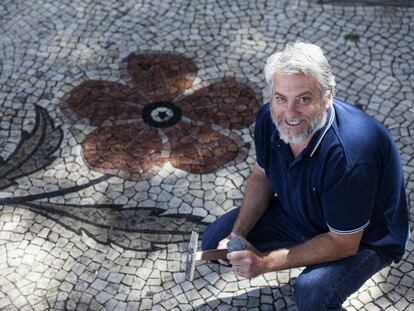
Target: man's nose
[[291, 108]]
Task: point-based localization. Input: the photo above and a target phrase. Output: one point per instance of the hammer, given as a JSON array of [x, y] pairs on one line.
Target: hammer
[[235, 244]]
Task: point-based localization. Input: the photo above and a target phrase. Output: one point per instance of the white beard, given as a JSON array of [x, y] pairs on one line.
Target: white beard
[[315, 124]]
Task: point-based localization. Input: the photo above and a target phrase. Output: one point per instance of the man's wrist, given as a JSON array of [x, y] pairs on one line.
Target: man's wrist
[[238, 233], [265, 263]]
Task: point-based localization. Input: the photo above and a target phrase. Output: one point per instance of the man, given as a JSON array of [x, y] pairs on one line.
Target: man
[[327, 191]]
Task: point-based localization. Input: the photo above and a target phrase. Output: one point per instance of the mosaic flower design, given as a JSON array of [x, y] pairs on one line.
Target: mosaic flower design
[[162, 117], [143, 229]]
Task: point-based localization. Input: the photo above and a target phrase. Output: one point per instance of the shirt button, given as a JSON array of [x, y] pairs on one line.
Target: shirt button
[[275, 195], [313, 189]]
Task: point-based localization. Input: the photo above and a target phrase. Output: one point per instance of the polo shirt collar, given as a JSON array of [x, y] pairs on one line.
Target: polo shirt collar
[[320, 134], [316, 140]]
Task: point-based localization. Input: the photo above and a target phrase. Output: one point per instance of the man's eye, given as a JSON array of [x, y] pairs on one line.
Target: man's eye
[[279, 99], [304, 100]]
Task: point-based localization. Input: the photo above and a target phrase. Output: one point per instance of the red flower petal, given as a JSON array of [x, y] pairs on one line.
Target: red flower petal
[[104, 100], [129, 151], [229, 103], [200, 149], [161, 76]]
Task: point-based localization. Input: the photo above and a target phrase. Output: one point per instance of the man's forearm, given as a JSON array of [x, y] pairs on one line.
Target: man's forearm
[[322, 248], [256, 200]]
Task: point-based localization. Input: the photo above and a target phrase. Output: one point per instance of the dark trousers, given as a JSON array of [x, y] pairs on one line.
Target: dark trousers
[[319, 287]]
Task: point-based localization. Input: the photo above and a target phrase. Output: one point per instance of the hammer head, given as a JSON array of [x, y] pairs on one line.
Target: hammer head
[[191, 255], [236, 243]]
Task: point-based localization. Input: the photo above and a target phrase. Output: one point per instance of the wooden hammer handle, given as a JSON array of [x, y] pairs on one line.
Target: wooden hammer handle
[[213, 254]]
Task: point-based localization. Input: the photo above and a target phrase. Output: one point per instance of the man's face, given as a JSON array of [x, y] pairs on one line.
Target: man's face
[[298, 109]]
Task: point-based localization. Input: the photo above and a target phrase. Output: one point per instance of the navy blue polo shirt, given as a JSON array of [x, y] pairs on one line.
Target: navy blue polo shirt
[[349, 178]]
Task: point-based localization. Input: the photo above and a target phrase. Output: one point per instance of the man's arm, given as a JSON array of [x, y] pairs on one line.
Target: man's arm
[[256, 200], [325, 247]]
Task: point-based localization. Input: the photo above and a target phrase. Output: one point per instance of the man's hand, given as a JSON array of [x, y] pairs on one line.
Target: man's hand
[[223, 245], [248, 263]]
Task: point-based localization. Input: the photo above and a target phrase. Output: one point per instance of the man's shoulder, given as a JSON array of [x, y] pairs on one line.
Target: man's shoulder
[[264, 119], [362, 138], [264, 111]]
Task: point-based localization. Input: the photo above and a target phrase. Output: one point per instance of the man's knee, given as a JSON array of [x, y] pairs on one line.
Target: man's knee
[[218, 230], [209, 239], [312, 294]]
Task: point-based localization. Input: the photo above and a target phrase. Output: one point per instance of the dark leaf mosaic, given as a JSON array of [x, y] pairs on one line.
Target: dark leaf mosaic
[[34, 150], [130, 228]]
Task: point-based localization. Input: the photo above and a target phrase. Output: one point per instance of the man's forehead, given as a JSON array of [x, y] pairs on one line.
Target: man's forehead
[[297, 82]]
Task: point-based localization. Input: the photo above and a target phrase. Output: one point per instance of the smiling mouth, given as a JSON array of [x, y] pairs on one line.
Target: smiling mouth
[[294, 122]]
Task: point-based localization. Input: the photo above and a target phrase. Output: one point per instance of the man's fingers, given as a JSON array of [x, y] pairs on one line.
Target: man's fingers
[[224, 262], [238, 257], [242, 271]]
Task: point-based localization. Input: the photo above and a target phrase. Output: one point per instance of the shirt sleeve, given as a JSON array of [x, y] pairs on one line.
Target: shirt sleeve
[[260, 135], [349, 200]]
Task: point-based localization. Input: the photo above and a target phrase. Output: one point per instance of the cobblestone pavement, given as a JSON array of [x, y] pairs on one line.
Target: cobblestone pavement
[[125, 123]]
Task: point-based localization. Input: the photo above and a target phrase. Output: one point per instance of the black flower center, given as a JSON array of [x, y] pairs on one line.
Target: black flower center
[[145, 66], [161, 114]]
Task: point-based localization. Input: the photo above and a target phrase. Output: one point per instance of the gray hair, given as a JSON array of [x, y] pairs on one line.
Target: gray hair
[[305, 58]]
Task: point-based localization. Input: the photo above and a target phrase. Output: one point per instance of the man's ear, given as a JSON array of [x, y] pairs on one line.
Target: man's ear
[[328, 103], [328, 100]]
